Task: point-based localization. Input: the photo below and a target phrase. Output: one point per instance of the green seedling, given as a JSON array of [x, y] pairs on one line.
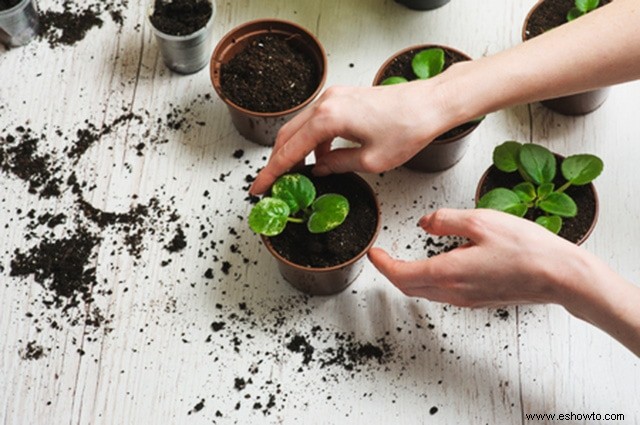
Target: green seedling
[[582, 7], [537, 167], [293, 200]]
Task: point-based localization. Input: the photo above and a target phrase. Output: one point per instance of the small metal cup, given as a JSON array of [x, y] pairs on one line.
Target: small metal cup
[[186, 54], [19, 24]]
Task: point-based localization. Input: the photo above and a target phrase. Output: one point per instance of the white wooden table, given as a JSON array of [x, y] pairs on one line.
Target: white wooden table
[[204, 334]]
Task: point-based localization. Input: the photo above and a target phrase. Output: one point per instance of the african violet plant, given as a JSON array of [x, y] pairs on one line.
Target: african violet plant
[[537, 167], [293, 200], [582, 7]]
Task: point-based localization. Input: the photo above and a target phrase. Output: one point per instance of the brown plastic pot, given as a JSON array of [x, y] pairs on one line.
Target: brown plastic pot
[[327, 280], [423, 4], [262, 127], [445, 151], [510, 179], [576, 104]]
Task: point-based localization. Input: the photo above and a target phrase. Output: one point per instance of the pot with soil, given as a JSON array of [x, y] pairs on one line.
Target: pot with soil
[[544, 16], [320, 239], [266, 71], [529, 181], [18, 22], [183, 30], [448, 148], [423, 4]]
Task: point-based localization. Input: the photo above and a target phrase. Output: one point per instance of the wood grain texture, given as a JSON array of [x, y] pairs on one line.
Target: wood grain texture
[[157, 359]]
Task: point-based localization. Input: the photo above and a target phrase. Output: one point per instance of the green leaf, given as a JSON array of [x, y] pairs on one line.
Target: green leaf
[[551, 222], [537, 163], [505, 156], [574, 13], [525, 191], [296, 190], [586, 6], [428, 63], [581, 169], [544, 190], [329, 212], [559, 204], [505, 200], [393, 80], [269, 216]]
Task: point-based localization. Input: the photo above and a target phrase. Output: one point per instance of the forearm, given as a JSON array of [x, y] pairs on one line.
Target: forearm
[[599, 49], [593, 292]]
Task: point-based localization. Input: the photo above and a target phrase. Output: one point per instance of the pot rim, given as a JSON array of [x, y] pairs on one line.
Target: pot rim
[[280, 258], [527, 18], [171, 37], [385, 64], [591, 186], [262, 26]]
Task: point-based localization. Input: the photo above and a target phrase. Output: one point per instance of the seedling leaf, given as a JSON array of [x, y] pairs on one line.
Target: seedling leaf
[[537, 163], [574, 13], [329, 212], [586, 6], [294, 189], [505, 156], [505, 200], [393, 80], [551, 222], [544, 190], [269, 216], [581, 169], [525, 191], [559, 204], [428, 63]]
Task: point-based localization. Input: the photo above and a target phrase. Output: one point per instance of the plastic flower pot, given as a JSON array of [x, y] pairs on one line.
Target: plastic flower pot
[[449, 148], [18, 23], [576, 229], [262, 127], [423, 4], [576, 104], [329, 280], [189, 53]]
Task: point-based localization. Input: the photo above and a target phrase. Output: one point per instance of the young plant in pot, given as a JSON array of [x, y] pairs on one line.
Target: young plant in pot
[[548, 14], [318, 228], [527, 180], [266, 71], [423, 62], [183, 31]]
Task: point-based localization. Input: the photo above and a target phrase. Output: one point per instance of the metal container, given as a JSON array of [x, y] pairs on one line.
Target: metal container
[[19, 24], [186, 54]]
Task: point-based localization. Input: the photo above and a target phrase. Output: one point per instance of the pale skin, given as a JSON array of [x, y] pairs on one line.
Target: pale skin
[[502, 264]]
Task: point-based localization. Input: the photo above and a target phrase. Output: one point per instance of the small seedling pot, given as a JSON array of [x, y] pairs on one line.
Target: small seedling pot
[[185, 54], [334, 279], [577, 229], [446, 150], [262, 127], [19, 24], [423, 4], [576, 104]]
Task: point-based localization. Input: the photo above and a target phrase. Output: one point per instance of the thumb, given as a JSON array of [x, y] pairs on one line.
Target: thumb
[[338, 161]]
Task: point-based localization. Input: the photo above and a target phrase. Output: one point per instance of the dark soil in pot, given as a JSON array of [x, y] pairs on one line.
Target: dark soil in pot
[[340, 245], [401, 66], [180, 17], [551, 14], [8, 4], [270, 75], [573, 229]]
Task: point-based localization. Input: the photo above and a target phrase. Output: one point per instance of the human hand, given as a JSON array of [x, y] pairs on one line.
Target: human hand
[[508, 260], [389, 123]]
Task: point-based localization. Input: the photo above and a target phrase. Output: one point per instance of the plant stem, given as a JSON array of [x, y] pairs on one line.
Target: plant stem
[[563, 187], [295, 220]]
